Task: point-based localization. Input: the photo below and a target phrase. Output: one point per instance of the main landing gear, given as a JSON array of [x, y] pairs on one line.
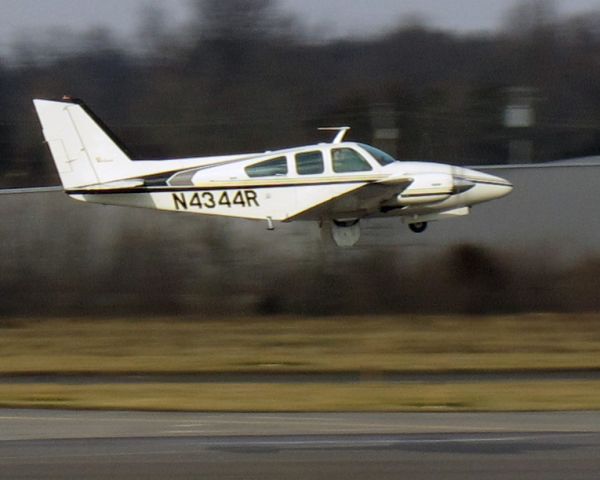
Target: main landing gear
[[418, 227], [344, 233]]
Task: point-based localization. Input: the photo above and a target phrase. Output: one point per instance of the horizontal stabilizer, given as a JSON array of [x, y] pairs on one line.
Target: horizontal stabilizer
[[17, 191]]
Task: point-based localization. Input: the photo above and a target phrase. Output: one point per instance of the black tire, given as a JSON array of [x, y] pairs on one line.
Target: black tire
[[418, 227], [346, 223]]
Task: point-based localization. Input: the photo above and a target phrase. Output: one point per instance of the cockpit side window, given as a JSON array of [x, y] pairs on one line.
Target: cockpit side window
[[310, 163], [346, 160], [268, 168]]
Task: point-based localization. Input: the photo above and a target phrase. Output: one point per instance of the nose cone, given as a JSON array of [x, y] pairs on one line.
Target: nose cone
[[504, 190], [487, 187]]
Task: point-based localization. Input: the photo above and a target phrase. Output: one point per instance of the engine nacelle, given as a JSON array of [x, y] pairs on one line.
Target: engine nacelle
[[427, 188]]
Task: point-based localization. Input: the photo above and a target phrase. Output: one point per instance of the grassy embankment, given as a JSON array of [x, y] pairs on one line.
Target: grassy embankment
[[365, 345]]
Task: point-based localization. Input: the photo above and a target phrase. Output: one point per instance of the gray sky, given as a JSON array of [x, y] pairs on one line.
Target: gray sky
[[332, 17]]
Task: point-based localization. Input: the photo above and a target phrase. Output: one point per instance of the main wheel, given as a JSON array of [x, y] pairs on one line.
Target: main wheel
[[345, 223], [418, 227], [344, 233]]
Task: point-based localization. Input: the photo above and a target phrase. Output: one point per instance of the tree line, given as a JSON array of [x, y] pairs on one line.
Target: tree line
[[243, 76]]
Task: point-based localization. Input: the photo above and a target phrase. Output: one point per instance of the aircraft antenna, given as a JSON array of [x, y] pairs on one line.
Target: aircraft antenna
[[339, 138]]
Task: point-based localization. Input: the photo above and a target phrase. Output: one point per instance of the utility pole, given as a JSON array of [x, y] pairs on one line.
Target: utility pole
[[519, 118], [385, 130]]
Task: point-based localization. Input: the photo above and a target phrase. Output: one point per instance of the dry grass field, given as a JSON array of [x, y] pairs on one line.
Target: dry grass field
[[367, 396], [349, 344], [355, 344]]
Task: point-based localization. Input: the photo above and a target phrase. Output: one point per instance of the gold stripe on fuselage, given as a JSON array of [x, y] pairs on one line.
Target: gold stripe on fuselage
[[277, 182]]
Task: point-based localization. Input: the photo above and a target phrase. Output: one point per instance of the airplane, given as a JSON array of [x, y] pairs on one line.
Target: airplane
[[336, 184]]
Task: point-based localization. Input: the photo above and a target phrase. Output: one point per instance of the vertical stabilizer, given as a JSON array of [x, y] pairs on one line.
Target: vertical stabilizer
[[85, 152]]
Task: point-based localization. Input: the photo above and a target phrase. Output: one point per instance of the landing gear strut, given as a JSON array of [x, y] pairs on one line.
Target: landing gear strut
[[418, 227]]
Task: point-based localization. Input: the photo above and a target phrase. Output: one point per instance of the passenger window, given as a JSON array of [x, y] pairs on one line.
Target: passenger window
[[310, 163], [269, 168], [346, 160]]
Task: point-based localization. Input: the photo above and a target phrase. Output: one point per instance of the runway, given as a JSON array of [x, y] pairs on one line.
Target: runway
[[124, 445]]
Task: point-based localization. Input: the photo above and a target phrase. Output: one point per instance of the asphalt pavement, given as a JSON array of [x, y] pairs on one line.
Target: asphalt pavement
[[123, 445], [473, 376]]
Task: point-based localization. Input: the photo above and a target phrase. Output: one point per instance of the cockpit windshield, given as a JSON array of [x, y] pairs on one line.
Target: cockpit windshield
[[382, 158]]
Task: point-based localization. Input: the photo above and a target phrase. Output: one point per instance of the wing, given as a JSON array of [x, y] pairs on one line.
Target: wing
[[575, 162], [357, 203], [17, 191]]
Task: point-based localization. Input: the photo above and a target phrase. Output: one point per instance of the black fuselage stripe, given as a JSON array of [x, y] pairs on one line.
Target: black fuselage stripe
[[203, 189], [123, 191]]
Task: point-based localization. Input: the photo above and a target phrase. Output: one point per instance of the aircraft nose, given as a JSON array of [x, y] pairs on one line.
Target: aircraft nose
[[504, 190], [488, 187], [501, 186]]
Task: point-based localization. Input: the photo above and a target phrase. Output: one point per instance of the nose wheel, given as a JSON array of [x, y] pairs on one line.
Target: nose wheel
[[418, 227]]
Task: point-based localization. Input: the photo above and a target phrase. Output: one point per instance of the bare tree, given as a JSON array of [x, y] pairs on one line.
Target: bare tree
[[239, 20], [531, 16], [153, 30]]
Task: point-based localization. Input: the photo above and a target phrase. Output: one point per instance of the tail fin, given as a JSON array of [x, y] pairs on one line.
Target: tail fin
[[85, 152]]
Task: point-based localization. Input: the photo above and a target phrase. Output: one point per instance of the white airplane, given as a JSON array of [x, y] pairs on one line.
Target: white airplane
[[337, 184]]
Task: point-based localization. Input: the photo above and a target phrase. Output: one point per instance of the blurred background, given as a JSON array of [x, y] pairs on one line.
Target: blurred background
[[462, 82]]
